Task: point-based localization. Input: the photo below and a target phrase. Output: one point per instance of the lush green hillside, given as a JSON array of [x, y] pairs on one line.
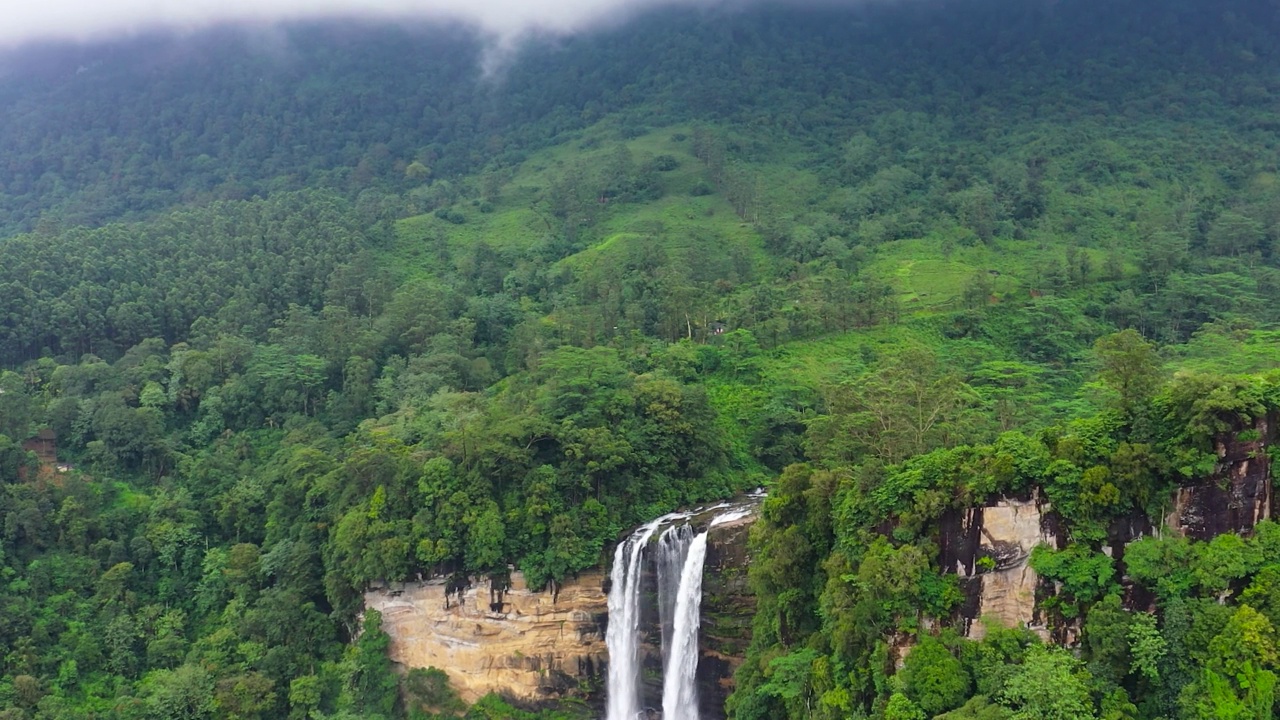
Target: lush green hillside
[[313, 312]]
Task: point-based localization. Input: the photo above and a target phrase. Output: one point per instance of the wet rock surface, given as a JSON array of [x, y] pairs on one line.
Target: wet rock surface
[[728, 607], [1237, 496]]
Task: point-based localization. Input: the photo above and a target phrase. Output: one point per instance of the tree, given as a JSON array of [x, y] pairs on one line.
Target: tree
[[430, 689], [485, 537], [1050, 685], [1217, 697], [416, 171], [1163, 253], [305, 694], [1131, 369], [371, 680], [933, 678], [1107, 630], [17, 407], [979, 210], [245, 697], [906, 406], [1247, 639], [900, 707], [12, 459], [1263, 593], [1086, 576], [789, 680], [1162, 564], [1147, 646], [186, 693], [1223, 560], [27, 691], [978, 708], [1238, 681], [1235, 234]]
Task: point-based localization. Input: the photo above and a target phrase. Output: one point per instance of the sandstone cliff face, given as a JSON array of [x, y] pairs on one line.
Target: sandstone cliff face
[[536, 649], [529, 646], [990, 549]]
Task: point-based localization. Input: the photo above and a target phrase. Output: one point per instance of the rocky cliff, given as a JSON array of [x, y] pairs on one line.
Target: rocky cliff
[[989, 547], [728, 607], [536, 648], [1239, 492], [533, 647]]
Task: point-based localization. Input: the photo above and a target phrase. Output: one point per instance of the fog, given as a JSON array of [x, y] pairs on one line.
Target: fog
[[506, 19]]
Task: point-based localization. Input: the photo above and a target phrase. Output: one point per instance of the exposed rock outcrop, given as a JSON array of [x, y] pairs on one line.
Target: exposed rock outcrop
[[530, 646], [990, 549], [1237, 496], [536, 649]]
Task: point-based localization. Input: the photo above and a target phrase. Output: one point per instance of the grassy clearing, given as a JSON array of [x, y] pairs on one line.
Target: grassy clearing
[[678, 220]]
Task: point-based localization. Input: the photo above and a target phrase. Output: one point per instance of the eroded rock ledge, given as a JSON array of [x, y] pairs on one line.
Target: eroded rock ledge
[[535, 648], [989, 547], [530, 646]]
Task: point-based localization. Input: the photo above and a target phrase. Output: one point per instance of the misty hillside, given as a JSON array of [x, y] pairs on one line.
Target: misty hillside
[[290, 311], [106, 131]]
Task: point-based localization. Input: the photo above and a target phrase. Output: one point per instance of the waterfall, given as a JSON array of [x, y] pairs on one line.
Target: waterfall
[[622, 636], [679, 559], [673, 548], [679, 678], [679, 686]]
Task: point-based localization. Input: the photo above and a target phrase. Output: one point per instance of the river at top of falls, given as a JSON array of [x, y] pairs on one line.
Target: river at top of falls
[[679, 557]]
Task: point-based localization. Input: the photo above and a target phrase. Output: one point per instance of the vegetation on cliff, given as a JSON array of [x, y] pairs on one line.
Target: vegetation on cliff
[[847, 569], [347, 312]]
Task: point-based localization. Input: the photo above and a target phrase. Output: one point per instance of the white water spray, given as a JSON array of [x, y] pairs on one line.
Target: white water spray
[[623, 635], [679, 687], [680, 676], [680, 556], [673, 549]]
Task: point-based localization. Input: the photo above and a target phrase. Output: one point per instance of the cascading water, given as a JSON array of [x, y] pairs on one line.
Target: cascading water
[[679, 681], [673, 548], [679, 559], [679, 690], [623, 636]]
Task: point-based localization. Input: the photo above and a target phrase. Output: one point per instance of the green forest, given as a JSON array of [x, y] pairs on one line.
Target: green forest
[[308, 318]]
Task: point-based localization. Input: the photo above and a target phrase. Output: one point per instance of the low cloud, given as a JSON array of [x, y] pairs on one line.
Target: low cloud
[[505, 19]]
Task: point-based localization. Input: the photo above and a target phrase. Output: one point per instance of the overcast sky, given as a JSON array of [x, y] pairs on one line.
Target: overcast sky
[[24, 20]]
